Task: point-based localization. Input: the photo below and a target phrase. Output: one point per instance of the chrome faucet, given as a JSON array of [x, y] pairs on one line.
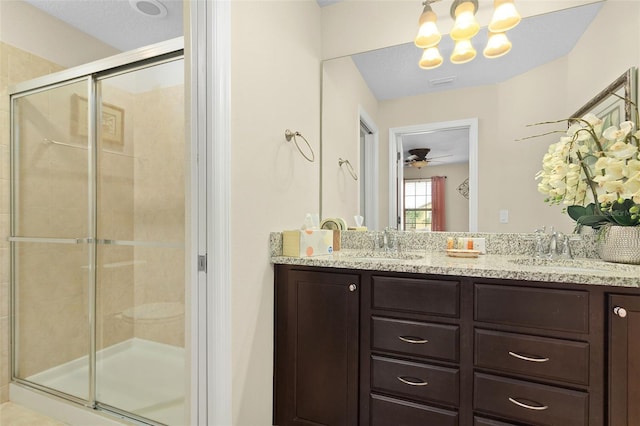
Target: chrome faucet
[[565, 253], [539, 238], [552, 252], [390, 240], [557, 247]]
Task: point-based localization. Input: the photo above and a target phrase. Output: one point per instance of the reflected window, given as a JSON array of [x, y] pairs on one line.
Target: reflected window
[[418, 204]]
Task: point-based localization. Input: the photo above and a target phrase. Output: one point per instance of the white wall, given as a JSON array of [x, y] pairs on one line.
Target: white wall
[[615, 38], [275, 85], [344, 91]]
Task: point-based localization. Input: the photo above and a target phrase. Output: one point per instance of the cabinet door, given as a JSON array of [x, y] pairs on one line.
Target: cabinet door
[[624, 360], [319, 325]]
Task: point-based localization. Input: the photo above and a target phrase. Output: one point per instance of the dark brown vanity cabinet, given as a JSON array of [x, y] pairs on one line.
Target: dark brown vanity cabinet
[[362, 348], [624, 356], [317, 331]]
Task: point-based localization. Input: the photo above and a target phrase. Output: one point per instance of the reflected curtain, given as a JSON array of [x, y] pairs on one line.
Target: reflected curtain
[[438, 204]]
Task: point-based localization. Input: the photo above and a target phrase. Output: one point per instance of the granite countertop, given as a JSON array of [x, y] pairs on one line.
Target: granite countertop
[[515, 267], [510, 256]]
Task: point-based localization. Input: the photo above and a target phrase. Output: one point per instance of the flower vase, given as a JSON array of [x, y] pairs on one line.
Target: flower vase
[[619, 244]]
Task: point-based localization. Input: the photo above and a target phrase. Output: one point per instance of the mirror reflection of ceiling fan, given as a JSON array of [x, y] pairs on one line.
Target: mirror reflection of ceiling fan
[[419, 158]]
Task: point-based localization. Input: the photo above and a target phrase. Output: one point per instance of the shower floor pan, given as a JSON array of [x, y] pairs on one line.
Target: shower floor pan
[[138, 376]]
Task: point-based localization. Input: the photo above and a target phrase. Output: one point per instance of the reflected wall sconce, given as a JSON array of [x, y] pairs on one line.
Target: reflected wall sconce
[[505, 17]]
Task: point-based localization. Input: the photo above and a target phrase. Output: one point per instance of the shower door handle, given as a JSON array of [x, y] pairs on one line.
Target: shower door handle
[[139, 243], [49, 240]]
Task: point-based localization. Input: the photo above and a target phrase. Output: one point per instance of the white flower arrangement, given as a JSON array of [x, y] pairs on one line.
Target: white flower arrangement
[[589, 162]]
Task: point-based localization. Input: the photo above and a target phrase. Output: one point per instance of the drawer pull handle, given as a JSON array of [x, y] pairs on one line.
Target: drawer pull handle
[[413, 381], [414, 340], [526, 358], [528, 407]]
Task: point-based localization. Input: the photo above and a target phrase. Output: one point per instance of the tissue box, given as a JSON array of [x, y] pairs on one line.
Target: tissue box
[[307, 243]]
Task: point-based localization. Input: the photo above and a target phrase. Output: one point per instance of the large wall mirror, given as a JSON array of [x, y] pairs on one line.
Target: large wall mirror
[[555, 67]]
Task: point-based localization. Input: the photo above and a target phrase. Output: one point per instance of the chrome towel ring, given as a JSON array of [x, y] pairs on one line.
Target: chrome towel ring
[[349, 168], [288, 134]]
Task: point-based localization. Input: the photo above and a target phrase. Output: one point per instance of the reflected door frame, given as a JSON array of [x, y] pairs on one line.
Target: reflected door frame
[[396, 175], [369, 170]]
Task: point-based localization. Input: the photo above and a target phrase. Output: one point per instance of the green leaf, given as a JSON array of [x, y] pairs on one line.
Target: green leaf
[[620, 213], [576, 212], [595, 221]]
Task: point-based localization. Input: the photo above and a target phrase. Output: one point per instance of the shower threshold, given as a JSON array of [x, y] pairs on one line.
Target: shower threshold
[[137, 376]]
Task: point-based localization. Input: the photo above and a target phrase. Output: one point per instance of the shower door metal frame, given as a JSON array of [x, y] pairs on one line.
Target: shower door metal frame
[[18, 92], [93, 72]]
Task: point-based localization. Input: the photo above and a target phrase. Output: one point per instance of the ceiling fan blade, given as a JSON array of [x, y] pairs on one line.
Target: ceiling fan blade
[[441, 156], [412, 157]]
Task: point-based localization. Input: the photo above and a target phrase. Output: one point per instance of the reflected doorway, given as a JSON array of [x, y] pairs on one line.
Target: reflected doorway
[[401, 164]]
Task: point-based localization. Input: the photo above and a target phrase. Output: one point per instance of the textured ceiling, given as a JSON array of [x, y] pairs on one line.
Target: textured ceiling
[[393, 72], [116, 22]]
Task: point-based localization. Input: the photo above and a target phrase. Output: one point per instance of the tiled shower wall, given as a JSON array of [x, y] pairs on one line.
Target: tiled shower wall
[[159, 210], [15, 66]]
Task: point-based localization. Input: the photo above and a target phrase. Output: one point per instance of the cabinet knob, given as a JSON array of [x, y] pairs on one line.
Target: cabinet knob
[[353, 287], [620, 311]]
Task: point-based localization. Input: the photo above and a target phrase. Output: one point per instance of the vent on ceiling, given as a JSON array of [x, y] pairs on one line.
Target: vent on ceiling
[[442, 81], [149, 8]]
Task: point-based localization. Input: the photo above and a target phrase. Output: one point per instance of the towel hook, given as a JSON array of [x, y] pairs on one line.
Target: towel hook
[[292, 135], [349, 168]]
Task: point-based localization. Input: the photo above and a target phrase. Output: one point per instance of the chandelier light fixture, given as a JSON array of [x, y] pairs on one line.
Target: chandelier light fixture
[[465, 27]]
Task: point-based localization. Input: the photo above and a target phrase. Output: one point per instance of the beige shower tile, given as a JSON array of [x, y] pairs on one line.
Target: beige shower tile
[[4, 162], [4, 59], [4, 124], [4, 231], [4, 396], [4, 335], [4, 298], [5, 376], [4, 196], [4, 265]]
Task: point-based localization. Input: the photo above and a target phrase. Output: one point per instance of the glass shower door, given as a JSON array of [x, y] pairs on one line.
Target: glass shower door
[[140, 233], [51, 222]]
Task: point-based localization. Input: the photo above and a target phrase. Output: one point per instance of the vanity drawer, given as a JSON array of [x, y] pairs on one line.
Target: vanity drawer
[[415, 338], [424, 296], [415, 380], [479, 421], [532, 355], [550, 309], [387, 411], [531, 403]]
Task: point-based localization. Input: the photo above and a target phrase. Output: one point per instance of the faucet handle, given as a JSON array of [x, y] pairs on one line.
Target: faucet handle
[[565, 253], [540, 230]]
